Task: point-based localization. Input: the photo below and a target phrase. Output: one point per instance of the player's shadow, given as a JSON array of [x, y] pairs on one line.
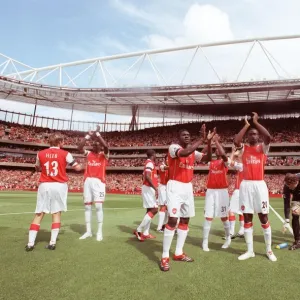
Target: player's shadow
[[45, 236], [78, 228], [277, 237], [147, 248], [153, 226]]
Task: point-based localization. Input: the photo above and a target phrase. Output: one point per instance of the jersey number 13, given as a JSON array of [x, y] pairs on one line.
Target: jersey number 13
[[51, 168]]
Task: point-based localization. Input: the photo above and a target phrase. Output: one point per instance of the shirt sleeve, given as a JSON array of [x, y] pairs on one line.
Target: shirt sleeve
[[149, 167], [173, 150], [198, 155], [70, 160], [37, 162], [266, 148]]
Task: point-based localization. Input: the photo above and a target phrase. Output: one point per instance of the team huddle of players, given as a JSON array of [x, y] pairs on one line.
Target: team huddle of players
[[175, 191]]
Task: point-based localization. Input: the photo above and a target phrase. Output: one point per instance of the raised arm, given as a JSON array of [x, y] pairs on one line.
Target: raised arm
[[82, 143], [262, 130], [239, 137], [221, 150], [101, 140], [192, 148], [207, 157]]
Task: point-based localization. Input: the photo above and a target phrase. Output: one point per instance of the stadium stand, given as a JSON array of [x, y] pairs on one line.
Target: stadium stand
[[20, 143]]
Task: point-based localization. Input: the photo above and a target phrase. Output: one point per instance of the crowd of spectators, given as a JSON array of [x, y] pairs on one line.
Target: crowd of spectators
[[286, 130], [139, 162], [123, 182]]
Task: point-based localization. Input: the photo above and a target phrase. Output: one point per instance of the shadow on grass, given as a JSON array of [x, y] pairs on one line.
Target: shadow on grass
[[147, 248], [78, 228], [45, 235]]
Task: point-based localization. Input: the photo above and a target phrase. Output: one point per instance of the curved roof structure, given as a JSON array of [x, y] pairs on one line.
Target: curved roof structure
[[187, 80]]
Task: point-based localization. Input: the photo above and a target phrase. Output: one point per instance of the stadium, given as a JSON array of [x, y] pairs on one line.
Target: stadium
[[119, 267]]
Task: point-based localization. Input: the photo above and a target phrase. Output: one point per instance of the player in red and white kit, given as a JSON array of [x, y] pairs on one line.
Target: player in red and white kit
[[149, 191], [180, 197], [94, 180], [234, 207], [217, 197], [254, 195], [163, 172], [53, 189]]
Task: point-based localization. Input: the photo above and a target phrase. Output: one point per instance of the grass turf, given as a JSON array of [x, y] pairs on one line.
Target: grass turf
[[120, 267]]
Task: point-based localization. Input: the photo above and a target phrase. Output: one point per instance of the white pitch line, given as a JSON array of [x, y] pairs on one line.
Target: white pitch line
[[32, 212], [109, 208]]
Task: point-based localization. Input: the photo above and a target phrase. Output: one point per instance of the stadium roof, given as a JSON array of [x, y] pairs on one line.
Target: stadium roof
[[63, 87]]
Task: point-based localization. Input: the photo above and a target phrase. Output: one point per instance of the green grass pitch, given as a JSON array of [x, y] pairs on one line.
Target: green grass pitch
[[120, 267]]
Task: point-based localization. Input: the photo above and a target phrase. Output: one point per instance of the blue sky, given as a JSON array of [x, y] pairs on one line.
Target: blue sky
[[41, 33]]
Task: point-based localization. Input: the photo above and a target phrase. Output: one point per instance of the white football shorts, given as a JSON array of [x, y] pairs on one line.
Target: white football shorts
[[52, 197], [162, 194], [235, 203], [216, 203], [254, 197], [93, 190], [180, 199], [149, 197]]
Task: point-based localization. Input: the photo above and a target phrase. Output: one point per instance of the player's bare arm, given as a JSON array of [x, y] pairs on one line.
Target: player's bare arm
[[82, 143], [261, 129], [221, 151], [207, 157], [101, 140], [239, 137], [148, 178]]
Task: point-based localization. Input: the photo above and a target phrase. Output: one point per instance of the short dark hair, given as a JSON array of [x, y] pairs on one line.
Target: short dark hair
[[291, 178], [150, 153], [180, 131]]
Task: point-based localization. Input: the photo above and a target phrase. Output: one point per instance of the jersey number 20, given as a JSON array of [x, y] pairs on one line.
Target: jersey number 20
[[54, 168]]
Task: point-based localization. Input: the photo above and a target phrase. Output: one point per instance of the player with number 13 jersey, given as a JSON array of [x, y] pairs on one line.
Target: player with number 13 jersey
[[53, 188]]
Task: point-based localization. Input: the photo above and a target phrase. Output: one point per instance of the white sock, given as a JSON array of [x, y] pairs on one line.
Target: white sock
[[206, 230], [167, 241], [33, 230], [182, 232], [268, 236], [161, 218], [241, 231], [166, 217], [248, 232], [88, 217], [227, 228], [99, 213], [147, 220], [54, 233], [232, 225]]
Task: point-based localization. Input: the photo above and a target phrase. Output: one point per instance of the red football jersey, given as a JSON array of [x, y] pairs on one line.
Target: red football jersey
[[96, 165], [181, 168], [150, 167], [163, 174], [254, 159], [217, 176], [53, 162]]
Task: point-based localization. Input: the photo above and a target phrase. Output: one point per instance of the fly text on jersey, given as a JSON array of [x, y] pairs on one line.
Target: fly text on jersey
[[186, 166], [252, 160], [94, 163]]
